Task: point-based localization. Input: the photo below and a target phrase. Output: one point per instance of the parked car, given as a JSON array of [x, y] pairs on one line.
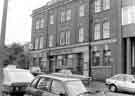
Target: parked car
[[67, 73], [15, 81], [50, 85], [121, 82]]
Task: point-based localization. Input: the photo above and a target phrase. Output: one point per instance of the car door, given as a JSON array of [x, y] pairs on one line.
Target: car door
[[43, 87], [120, 82], [130, 83], [31, 89], [57, 88]]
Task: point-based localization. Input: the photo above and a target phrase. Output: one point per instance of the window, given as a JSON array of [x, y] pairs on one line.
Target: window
[[36, 43], [59, 62], [106, 4], [97, 5], [44, 84], [68, 15], [57, 87], [62, 38], [128, 15], [50, 40], [81, 34], [82, 10], [34, 82], [41, 45], [70, 61], [51, 19], [67, 37], [37, 24], [97, 32], [106, 30], [106, 58], [62, 18], [42, 23], [96, 58]]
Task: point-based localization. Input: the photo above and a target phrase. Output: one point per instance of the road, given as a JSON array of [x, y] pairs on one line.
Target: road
[[118, 94]]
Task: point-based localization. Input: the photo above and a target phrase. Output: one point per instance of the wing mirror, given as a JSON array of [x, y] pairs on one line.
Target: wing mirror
[[133, 81], [62, 94]]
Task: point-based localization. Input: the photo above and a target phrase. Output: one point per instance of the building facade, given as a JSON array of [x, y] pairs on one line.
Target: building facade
[[90, 37]]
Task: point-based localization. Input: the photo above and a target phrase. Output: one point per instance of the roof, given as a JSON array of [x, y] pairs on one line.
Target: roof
[[63, 79]]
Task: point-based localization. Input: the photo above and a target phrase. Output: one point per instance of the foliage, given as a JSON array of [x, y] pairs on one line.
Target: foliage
[[17, 56]]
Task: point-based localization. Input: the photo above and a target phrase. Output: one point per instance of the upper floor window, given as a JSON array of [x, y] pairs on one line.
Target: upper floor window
[[106, 4], [50, 40], [68, 14], [82, 10], [37, 24], [97, 5], [62, 38], [67, 37], [36, 43], [51, 19], [62, 17], [81, 34], [106, 30], [42, 23], [41, 45], [97, 32]]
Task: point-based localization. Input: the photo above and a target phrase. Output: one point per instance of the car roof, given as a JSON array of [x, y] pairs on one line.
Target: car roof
[[63, 79]]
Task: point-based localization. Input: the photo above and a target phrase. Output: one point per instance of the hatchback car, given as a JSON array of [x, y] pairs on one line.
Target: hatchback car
[[15, 81], [121, 82], [50, 85]]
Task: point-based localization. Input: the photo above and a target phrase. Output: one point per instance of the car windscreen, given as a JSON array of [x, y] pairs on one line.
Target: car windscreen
[[75, 87]]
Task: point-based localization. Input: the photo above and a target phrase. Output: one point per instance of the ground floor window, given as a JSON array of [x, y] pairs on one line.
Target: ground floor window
[[107, 57], [96, 58]]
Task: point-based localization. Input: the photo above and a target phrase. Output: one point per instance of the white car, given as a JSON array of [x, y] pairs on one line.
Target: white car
[[121, 82], [15, 81]]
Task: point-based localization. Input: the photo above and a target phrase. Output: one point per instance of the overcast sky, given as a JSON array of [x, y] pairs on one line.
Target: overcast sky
[[19, 20]]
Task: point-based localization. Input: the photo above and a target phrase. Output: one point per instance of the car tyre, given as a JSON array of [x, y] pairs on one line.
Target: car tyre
[[112, 88]]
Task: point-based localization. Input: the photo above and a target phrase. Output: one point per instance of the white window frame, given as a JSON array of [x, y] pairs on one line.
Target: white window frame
[[51, 19], [51, 41], [106, 30], [36, 43], [68, 14], [82, 10], [62, 16], [97, 32], [98, 7], [42, 21], [106, 4], [41, 45], [68, 37], [81, 34], [37, 24], [62, 38]]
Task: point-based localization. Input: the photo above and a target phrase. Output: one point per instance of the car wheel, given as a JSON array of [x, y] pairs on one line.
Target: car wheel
[[112, 88]]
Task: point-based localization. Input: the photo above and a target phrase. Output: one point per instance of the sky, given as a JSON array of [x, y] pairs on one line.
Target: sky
[[19, 21]]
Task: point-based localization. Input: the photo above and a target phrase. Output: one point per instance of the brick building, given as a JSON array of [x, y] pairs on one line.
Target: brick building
[[90, 37]]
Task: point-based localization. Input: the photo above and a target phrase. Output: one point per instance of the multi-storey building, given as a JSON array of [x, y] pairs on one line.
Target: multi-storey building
[[90, 37]]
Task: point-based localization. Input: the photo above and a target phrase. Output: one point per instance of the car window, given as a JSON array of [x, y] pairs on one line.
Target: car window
[[34, 82], [44, 83], [57, 87], [130, 78], [120, 77]]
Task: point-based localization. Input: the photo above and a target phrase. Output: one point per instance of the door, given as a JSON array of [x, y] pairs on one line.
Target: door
[[57, 88]]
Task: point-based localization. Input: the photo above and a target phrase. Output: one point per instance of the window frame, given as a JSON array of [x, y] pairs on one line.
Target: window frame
[[97, 32], [106, 30], [82, 10], [98, 7], [51, 19], [81, 34], [106, 4]]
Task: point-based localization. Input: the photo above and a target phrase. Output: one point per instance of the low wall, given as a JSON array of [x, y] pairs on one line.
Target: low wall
[[101, 72]]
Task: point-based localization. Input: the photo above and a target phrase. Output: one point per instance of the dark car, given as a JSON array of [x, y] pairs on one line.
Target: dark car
[[50, 85]]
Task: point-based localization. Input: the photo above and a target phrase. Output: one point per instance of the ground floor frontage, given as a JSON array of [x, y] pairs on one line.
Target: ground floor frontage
[[100, 59]]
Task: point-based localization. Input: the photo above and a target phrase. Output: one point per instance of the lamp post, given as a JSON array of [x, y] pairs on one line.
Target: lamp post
[[2, 38]]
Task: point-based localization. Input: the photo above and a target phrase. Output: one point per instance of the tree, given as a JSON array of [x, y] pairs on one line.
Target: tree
[[17, 56]]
